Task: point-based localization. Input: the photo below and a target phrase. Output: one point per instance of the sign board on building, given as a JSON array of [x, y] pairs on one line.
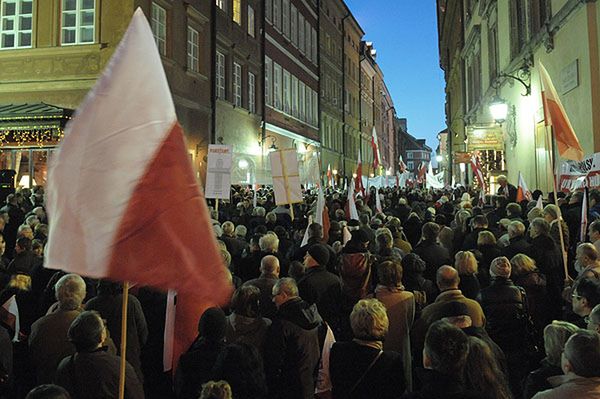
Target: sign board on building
[[569, 77], [218, 174], [485, 139], [578, 175], [461, 157], [286, 177]]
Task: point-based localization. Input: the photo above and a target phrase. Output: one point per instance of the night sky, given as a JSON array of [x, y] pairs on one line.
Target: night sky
[[404, 33]]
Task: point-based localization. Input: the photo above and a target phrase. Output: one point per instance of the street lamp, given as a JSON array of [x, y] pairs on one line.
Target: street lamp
[[498, 109], [439, 158]]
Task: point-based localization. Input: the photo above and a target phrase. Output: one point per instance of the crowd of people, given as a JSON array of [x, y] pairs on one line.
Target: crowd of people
[[438, 294]]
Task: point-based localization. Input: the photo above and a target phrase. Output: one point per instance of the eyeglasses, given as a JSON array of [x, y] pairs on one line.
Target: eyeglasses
[[575, 296]]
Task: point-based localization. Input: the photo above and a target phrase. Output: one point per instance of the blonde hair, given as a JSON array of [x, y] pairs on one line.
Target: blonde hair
[[216, 390], [21, 282], [269, 243], [369, 320], [522, 264], [465, 262], [556, 335], [486, 238]]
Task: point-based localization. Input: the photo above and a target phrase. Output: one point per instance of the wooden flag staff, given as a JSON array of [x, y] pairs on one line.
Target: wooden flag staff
[[123, 340]]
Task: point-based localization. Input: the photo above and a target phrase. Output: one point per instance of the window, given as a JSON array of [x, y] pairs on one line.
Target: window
[[277, 14], [268, 81], [269, 10], [294, 25], [15, 23], [315, 105], [277, 85], [285, 20], [192, 50], [473, 70], [222, 4], [314, 45], [78, 21], [159, 27], [294, 96], [237, 11], [301, 33], [287, 93], [307, 38], [237, 84], [220, 75], [493, 52], [517, 27], [309, 109], [251, 28], [251, 92], [539, 14], [301, 99]]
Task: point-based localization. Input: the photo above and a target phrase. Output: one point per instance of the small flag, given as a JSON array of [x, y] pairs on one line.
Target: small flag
[[353, 213], [539, 204], [9, 315], [346, 236], [375, 146], [478, 172], [523, 192]]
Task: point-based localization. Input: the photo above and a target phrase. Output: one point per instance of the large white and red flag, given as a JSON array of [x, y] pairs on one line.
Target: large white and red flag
[[352, 211], [478, 172], [122, 194], [375, 146], [556, 116], [523, 192]]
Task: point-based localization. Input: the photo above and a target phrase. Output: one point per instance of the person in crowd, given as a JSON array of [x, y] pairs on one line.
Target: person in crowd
[[555, 337], [431, 251], [196, 364], [518, 243], [572, 217], [446, 235], [242, 367], [269, 274], [551, 215], [244, 324], [487, 251], [479, 223], [355, 267], [48, 391], [364, 220], [514, 212], [413, 229], [315, 236], [362, 368], [249, 266], [234, 246], [533, 213], [24, 260], [292, 352], [424, 290], [319, 286], [585, 295], [400, 307], [506, 189], [385, 246], [92, 372], [297, 271], [216, 390], [594, 233], [525, 274], [466, 265], [108, 304], [460, 229], [580, 364], [593, 320], [483, 372]]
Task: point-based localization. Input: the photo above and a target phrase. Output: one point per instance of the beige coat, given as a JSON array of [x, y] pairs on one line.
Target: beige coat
[[571, 386]]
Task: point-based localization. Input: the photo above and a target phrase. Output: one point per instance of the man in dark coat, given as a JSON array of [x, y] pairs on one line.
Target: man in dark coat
[[506, 189], [292, 349], [431, 251], [269, 274], [518, 242]]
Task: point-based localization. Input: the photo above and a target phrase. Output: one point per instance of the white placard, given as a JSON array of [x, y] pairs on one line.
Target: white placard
[[218, 175], [286, 179]]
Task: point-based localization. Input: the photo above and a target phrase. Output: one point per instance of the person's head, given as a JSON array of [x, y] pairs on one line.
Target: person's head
[[269, 243], [316, 255], [390, 274], [228, 229], [241, 231], [502, 181], [245, 301], [522, 264], [594, 197], [446, 349], [461, 219], [2, 244], [360, 237], [447, 278], [593, 320], [479, 222], [37, 247], [483, 372], [455, 313], [32, 221], [70, 291], [271, 217], [211, 325], [87, 332], [594, 231], [500, 267], [486, 237], [259, 211], [296, 270], [465, 263], [284, 290], [586, 295], [581, 355], [513, 209], [369, 320], [555, 337], [430, 231], [41, 230], [25, 230], [48, 391], [576, 197], [364, 218], [539, 227], [516, 229], [413, 264], [315, 230], [550, 212], [269, 266], [23, 244], [216, 390], [534, 213], [385, 239], [586, 254]]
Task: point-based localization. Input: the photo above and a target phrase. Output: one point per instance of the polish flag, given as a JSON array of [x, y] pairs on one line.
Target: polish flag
[[329, 176], [523, 192], [358, 184], [584, 217], [322, 214], [378, 207], [122, 195], [555, 116], [421, 172], [477, 171], [352, 212], [375, 146], [540, 204], [402, 165], [9, 316]]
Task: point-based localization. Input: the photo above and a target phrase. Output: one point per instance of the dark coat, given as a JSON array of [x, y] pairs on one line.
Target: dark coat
[[517, 245], [537, 380], [195, 367], [534, 284], [92, 375], [549, 261], [434, 254], [436, 385], [247, 330], [470, 241], [511, 195], [469, 285], [324, 289], [348, 361], [293, 353], [265, 285]]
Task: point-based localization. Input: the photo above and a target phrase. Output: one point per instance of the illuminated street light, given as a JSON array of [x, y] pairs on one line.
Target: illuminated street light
[[439, 158], [498, 109]]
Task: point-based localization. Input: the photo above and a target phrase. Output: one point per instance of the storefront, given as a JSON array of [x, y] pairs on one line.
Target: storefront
[[29, 135]]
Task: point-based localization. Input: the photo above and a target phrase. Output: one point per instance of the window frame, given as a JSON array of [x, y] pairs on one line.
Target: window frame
[[252, 92], [16, 30], [221, 75], [251, 28], [237, 84], [78, 24], [277, 86], [161, 43], [268, 81], [193, 62]]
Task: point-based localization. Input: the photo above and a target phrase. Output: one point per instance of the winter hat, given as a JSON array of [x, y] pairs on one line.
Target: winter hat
[[500, 267], [360, 235], [320, 253], [212, 324]]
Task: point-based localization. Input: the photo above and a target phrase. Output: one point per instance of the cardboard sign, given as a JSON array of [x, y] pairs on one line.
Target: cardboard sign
[[218, 175], [286, 179], [578, 175]]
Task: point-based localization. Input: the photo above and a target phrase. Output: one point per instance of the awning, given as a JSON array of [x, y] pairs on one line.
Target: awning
[[28, 125]]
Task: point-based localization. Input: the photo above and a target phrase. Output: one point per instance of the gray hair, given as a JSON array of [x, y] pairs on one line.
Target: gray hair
[[369, 320], [286, 286], [70, 291], [516, 229], [269, 242], [540, 225]]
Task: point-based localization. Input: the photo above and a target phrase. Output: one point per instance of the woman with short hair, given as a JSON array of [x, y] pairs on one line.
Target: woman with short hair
[[466, 265]]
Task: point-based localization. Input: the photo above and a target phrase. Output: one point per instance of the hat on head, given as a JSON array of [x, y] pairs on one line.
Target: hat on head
[[360, 235], [212, 324], [320, 253], [500, 267]]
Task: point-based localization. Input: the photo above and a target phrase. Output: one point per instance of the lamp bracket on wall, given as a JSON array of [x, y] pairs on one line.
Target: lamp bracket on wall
[[521, 75]]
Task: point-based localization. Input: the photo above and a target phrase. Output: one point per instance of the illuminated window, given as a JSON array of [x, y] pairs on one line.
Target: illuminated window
[[237, 11], [159, 27], [78, 21], [237, 84], [15, 23], [251, 92]]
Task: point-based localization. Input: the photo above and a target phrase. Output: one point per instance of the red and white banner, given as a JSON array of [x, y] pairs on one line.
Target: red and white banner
[[478, 172], [375, 146], [523, 192], [122, 193], [578, 175]]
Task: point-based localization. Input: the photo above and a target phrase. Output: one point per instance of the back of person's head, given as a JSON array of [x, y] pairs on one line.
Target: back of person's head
[[556, 335], [483, 372], [446, 349], [48, 391], [315, 230], [595, 225], [296, 270], [70, 291], [500, 267], [486, 238], [286, 286], [109, 287], [430, 231], [228, 228], [269, 264], [522, 264], [280, 232], [216, 390], [364, 219], [440, 220], [390, 274], [212, 324], [369, 320], [271, 217], [241, 365], [479, 221], [447, 278], [413, 264], [465, 263], [551, 211], [515, 229], [24, 243], [513, 209], [269, 243], [241, 231], [589, 250], [245, 301], [385, 239], [582, 354], [541, 226], [87, 331], [589, 289], [534, 213]]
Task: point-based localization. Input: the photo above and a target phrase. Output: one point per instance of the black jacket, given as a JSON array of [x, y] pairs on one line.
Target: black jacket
[[549, 261], [195, 367], [292, 352], [518, 245], [324, 289], [434, 255], [537, 380], [436, 385]]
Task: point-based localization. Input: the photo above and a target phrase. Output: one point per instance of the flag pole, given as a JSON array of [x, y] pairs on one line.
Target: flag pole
[[217, 207], [123, 340], [550, 146]]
